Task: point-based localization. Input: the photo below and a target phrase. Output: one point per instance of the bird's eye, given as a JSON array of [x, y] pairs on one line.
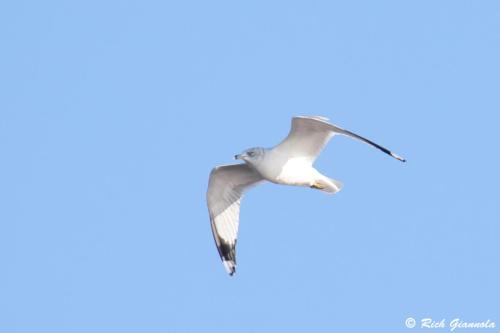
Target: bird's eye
[[251, 153]]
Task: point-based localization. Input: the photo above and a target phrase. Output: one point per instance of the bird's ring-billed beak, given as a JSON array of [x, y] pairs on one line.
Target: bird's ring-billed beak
[[240, 156]]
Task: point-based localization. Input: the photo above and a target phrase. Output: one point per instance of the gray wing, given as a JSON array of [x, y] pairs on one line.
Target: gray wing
[[309, 135], [225, 190]]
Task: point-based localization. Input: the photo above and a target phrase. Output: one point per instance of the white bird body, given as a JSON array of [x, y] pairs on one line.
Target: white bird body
[[296, 171], [289, 163], [279, 169], [276, 168]]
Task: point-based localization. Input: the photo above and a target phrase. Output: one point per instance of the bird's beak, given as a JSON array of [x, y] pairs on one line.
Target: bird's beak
[[239, 156]]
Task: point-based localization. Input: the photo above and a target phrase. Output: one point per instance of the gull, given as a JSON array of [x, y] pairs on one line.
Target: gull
[[288, 163]]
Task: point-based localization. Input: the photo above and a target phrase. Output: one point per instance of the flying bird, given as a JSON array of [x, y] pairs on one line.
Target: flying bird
[[288, 163]]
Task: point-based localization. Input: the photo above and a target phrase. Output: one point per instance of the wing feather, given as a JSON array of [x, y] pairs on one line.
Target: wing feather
[[307, 138], [225, 190], [309, 135]]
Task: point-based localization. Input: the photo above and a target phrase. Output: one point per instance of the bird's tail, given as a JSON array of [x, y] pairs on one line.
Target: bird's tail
[[327, 185]]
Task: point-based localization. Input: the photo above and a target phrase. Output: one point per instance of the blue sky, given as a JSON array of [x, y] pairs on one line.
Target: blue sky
[[113, 113]]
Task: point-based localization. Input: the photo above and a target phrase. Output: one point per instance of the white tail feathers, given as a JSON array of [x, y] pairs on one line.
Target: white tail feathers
[[327, 185]]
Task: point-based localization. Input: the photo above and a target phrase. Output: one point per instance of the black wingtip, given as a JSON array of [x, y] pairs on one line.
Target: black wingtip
[[365, 140], [399, 158], [229, 265], [231, 271]]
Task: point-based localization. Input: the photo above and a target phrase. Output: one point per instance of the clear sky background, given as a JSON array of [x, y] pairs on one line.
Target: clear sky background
[[113, 113]]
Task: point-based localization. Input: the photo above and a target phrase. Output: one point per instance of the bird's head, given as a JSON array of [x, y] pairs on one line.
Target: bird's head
[[251, 156]]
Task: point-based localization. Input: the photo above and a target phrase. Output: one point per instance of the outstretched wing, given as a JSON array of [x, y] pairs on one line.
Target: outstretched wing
[[310, 134], [307, 138], [225, 190]]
